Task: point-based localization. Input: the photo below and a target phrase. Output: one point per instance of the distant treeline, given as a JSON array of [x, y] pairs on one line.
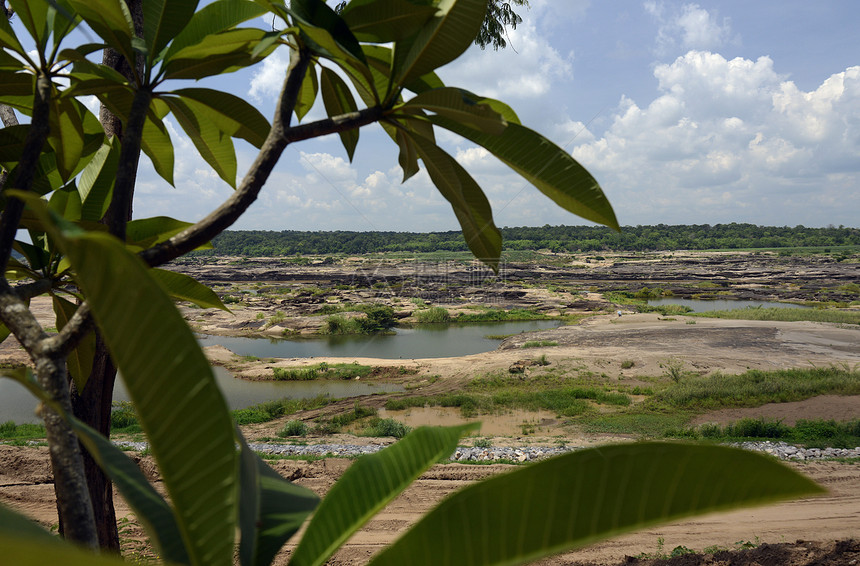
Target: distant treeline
[[553, 238]]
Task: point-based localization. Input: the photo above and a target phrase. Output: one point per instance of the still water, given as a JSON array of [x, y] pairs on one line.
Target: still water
[[17, 404], [428, 341], [705, 305]]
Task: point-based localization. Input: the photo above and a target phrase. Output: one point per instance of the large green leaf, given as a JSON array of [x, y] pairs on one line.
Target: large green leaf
[[458, 105], [271, 509], [307, 93], [470, 205], [215, 54], [12, 141], [111, 20], [314, 16], [67, 134], [34, 16], [545, 165], [444, 38], [66, 202], [148, 505], [214, 145], [143, 233], [9, 39], [156, 144], [338, 100], [185, 288], [162, 21], [80, 361], [368, 485], [584, 496], [30, 551], [214, 18], [384, 21], [170, 382], [96, 182], [230, 113]]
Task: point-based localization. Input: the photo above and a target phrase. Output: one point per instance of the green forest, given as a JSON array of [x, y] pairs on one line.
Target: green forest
[[257, 243]]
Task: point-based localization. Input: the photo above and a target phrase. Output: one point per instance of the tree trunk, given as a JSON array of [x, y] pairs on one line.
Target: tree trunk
[[93, 404]]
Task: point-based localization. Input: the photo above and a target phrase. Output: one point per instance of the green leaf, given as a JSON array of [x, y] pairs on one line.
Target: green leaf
[[470, 205], [4, 332], [384, 21], [67, 134], [308, 93], [271, 509], [444, 38], [80, 361], [230, 113], [368, 485], [215, 146], [111, 20], [338, 100], [66, 202], [574, 499], [408, 155], [9, 40], [146, 232], [157, 146], [170, 382], [12, 141], [17, 85], [96, 182], [545, 165], [185, 288], [34, 16], [37, 258], [314, 16], [30, 551], [148, 505], [162, 21], [215, 54], [458, 105], [212, 19], [14, 525]]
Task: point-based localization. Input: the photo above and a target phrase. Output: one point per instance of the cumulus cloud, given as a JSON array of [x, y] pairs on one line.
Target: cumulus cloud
[[688, 27], [267, 81], [732, 139]]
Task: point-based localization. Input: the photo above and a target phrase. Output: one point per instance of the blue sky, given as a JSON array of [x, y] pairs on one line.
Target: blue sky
[[706, 112]]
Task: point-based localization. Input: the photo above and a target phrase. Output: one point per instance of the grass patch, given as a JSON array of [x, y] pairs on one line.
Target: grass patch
[[786, 315], [755, 388], [539, 344], [337, 422], [293, 428], [321, 370], [433, 315], [817, 433], [271, 410], [636, 422], [21, 432], [495, 315], [386, 427], [379, 319], [123, 418]]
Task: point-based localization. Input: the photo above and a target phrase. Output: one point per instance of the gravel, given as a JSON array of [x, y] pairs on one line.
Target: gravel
[[780, 450]]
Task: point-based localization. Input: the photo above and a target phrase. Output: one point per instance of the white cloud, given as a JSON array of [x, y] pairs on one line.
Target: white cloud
[[732, 140], [268, 79], [688, 27]]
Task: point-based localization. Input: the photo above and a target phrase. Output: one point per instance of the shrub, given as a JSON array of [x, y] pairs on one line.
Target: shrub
[[433, 315], [293, 428], [387, 427]]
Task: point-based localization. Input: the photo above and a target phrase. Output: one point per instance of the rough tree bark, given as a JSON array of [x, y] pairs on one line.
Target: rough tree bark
[[93, 404]]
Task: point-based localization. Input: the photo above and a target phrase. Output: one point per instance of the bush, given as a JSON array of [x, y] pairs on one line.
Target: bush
[[294, 428], [123, 417], [387, 427], [433, 315]]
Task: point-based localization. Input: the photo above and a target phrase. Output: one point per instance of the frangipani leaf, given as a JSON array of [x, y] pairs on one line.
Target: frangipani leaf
[[162, 21], [470, 205], [230, 113], [95, 185], [571, 500], [384, 21], [147, 232], [338, 100], [111, 20], [367, 485], [314, 16], [307, 93], [18, 526], [214, 145], [271, 509], [458, 105], [33, 551], [34, 16], [442, 39], [214, 18], [215, 54], [185, 288], [80, 360], [156, 144], [545, 165], [148, 505]]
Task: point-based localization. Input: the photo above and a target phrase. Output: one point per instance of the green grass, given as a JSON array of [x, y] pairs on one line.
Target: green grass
[[123, 418], [271, 410], [785, 315], [636, 422], [495, 315], [21, 432], [386, 427], [321, 370], [379, 318], [818, 433], [539, 343], [433, 315], [755, 388], [337, 422], [293, 428]]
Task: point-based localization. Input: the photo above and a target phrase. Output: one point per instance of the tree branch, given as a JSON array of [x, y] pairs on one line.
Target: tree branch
[[334, 124], [230, 210]]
